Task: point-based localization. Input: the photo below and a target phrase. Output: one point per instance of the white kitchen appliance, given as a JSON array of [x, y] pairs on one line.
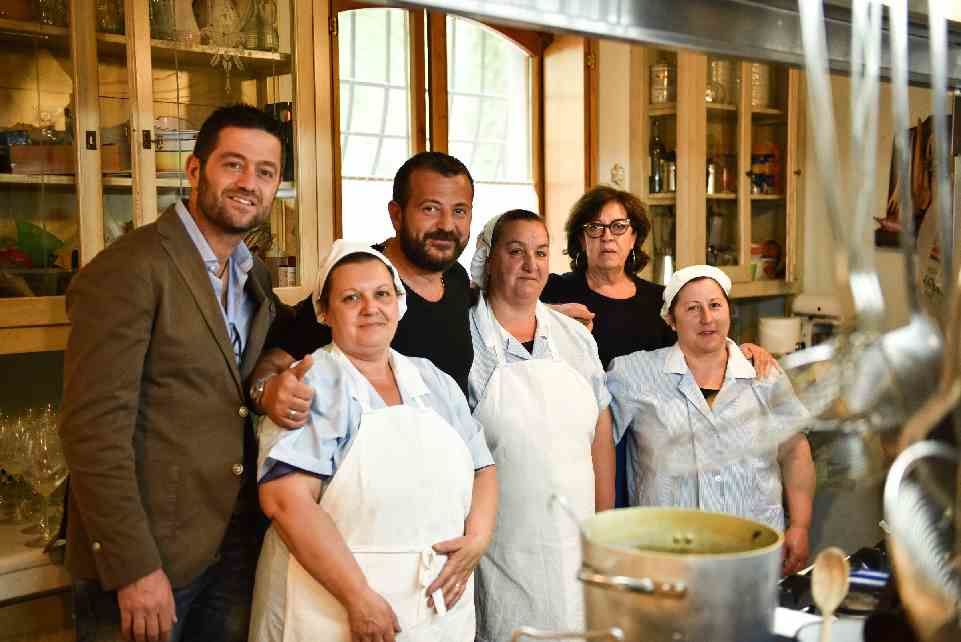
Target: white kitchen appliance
[[820, 317]]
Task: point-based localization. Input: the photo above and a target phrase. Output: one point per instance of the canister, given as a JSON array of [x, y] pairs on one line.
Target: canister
[[760, 85], [662, 83]]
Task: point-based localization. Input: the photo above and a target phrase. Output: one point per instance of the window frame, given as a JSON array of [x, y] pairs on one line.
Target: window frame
[[428, 77]]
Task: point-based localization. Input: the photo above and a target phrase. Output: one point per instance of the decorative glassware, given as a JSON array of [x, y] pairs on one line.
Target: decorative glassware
[[110, 16], [48, 469]]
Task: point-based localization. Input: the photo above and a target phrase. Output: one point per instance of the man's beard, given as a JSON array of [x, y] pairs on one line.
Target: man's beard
[[416, 249], [212, 207]]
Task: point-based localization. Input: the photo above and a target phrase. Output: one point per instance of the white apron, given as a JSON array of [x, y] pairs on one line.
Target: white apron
[[539, 417], [404, 486]]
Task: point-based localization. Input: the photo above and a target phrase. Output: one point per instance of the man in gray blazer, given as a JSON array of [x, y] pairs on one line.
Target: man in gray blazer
[[168, 321]]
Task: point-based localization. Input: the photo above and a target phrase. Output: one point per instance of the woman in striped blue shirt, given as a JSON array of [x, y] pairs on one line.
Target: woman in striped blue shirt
[[704, 428]]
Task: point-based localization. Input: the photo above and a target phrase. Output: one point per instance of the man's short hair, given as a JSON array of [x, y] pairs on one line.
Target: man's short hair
[[238, 115], [439, 162]]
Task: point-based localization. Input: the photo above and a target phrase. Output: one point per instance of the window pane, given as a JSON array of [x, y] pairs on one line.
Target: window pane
[[374, 107], [489, 103], [489, 120]]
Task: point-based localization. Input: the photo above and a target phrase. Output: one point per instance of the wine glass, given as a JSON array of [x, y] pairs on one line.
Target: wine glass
[[14, 447], [6, 479], [48, 469]]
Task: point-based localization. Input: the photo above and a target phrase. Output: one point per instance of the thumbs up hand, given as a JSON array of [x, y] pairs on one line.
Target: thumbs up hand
[[286, 398]]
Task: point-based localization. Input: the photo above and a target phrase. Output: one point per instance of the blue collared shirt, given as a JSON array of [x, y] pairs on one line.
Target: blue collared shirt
[[571, 343], [684, 452], [240, 308], [340, 393]]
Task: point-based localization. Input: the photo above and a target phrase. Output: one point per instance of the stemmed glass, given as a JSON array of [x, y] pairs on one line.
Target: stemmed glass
[[14, 450], [6, 486], [48, 469]]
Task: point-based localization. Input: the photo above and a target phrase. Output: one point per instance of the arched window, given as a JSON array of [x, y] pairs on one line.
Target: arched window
[[490, 103]]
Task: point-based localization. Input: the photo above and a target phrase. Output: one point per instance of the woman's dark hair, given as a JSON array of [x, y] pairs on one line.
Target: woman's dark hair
[[511, 216], [353, 257], [588, 207], [700, 278]]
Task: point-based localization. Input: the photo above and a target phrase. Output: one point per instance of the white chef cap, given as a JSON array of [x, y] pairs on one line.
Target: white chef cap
[[685, 275], [338, 251], [478, 263]]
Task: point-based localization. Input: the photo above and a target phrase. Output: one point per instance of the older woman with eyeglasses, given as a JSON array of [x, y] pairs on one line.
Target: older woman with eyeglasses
[[606, 230]]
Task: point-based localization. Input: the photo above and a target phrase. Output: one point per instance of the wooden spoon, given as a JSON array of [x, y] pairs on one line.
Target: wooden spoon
[[829, 585]]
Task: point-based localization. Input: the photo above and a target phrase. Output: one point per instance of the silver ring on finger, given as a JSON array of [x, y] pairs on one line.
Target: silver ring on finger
[[291, 414]]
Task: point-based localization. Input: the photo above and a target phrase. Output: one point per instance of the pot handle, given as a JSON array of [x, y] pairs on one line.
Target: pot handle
[[644, 585], [613, 633]]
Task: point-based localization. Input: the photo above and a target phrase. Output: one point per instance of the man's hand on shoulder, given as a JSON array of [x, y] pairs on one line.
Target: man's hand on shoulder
[[286, 398], [764, 362], [147, 608], [576, 311]]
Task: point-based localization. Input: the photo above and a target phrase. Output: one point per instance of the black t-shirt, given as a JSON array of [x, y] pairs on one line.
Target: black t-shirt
[[438, 331], [621, 326]]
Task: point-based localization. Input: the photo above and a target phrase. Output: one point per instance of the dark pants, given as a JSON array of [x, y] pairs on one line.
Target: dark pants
[[621, 499], [213, 606]]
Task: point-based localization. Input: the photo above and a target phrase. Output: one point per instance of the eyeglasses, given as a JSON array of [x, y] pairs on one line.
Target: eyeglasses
[[596, 230]]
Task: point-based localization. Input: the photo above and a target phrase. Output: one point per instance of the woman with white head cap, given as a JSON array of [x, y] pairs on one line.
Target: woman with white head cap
[[698, 419], [384, 502], [537, 386]]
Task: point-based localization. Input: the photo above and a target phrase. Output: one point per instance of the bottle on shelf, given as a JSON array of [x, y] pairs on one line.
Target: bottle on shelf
[[657, 153]]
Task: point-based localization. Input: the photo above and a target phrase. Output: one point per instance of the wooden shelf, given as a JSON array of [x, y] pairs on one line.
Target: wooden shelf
[[767, 111], [722, 196], [662, 109], [667, 198], [767, 197], [37, 179], [257, 64], [721, 107], [756, 289], [58, 35]]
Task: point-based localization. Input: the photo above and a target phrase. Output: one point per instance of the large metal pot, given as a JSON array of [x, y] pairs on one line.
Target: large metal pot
[[674, 575]]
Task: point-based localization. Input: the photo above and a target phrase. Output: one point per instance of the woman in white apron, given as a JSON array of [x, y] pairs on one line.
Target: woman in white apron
[[538, 388], [384, 502]]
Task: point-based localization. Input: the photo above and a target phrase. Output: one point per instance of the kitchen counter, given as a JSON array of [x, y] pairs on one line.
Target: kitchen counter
[[26, 571]]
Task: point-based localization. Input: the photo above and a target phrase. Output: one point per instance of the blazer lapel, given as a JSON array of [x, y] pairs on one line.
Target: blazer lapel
[[258, 325], [185, 256]]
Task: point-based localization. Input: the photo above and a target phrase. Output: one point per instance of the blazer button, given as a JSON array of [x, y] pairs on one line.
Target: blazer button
[[243, 412], [237, 470], [96, 546]]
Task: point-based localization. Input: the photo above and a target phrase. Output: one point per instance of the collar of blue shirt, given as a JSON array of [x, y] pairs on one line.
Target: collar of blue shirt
[[738, 367], [409, 381], [242, 258]]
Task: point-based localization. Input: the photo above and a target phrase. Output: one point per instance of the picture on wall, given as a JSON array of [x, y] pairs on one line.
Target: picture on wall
[[921, 144]]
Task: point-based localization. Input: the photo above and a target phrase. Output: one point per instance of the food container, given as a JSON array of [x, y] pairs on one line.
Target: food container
[[662, 84], [760, 85], [720, 82], [670, 574]]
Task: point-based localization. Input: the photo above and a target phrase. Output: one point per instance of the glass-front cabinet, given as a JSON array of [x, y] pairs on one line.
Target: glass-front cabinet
[[39, 223], [100, 106], [721, 188]]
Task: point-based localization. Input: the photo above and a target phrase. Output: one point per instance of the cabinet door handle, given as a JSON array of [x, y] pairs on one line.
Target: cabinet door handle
[[90, 136]]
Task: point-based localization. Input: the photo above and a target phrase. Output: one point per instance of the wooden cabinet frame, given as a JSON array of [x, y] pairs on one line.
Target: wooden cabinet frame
[[691, 146], [34, 324]]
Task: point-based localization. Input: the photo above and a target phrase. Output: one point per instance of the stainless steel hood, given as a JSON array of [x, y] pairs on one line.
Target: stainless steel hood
[[750, 29]]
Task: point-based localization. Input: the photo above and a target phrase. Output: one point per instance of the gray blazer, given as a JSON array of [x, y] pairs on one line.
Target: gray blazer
[[154, 414]]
